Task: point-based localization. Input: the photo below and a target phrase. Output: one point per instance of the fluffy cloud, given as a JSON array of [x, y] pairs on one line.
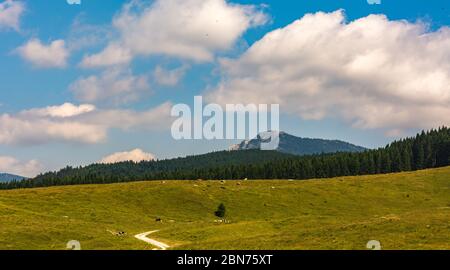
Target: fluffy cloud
[[188, 29], [116, 85], [31, 130], [83, 35], [372, 72], [112, 55], [10, 13], [41, 55], [169, 77], [65, 110], [157, 118], [28, 168], [135, 155], [78, 124]]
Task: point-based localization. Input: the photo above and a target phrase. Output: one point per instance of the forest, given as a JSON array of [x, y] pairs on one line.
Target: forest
[[428, 149]]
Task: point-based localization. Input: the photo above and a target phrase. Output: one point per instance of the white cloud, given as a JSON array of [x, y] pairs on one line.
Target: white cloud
[[157, 118], [32, 130], [188, 29], [10, 13], [41, 55], [65, 110], [83, 35], [169, 77], [112, 55], [135, 155], [78, 124], [12, 165], [372, 72], [116, 85]]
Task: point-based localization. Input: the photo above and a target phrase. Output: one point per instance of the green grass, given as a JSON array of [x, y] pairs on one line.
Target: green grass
[[402, 211]]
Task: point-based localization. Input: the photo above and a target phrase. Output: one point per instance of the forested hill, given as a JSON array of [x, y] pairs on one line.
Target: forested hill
[[6, 177], [426, 150], [299, 146], [148, 170]]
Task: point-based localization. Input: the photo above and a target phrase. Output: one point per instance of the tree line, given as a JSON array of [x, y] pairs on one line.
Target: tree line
[[429, 149]]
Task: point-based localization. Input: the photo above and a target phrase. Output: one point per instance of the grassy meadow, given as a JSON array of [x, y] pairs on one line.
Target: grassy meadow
[[402, 211]]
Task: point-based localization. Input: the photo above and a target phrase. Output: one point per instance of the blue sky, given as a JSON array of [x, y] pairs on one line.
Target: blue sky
[[51, 54]]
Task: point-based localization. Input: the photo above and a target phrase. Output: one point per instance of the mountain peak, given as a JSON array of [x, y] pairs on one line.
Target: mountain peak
[[298, 146]]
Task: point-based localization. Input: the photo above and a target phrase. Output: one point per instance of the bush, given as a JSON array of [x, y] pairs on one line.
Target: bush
[[220, 212]]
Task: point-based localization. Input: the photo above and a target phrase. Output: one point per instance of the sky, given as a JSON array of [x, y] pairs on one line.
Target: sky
[[96, 81]]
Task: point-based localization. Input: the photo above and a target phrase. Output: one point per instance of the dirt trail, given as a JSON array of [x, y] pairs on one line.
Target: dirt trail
[[143, 237]]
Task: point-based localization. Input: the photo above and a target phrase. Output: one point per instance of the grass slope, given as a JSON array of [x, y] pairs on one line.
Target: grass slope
[[402, 211]]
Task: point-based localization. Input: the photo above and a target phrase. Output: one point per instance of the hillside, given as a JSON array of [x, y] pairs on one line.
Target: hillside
[[299, 146], [429, 149], [190, 167], [402, 211], [6, 177]]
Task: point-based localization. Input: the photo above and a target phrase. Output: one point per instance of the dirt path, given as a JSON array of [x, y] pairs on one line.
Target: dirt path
[[143, 237]]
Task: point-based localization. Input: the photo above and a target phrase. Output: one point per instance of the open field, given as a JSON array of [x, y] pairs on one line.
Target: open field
[[402, 211]]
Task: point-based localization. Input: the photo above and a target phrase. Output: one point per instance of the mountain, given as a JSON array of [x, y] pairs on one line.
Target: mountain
[[6, 177], [298, 146], [429, 149]]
